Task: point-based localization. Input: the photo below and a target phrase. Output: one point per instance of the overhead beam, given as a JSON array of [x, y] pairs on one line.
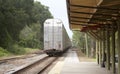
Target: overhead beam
[[102, 8], [88, 22], [78, 12], [91, 18], [77, 20], [79, 24]]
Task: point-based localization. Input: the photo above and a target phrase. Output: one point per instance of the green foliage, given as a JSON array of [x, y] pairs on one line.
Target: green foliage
[[30, 36], [14, 17], [30, 50], [4, 52], [40, 13], [21, 24], [16, 49], [78, 39]]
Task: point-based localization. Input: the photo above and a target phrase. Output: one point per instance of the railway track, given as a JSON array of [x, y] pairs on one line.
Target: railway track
[[37, 67], [11, 64]]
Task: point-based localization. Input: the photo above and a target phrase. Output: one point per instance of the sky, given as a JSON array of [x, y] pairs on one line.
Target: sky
[[58, 10]]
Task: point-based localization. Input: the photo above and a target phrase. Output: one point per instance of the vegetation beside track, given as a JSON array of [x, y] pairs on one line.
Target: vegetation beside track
[[17, 51], [4, 52]]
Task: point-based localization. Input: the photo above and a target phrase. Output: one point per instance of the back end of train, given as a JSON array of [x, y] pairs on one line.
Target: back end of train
[[55, 37]]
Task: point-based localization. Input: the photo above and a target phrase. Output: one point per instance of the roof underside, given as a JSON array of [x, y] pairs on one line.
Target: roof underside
[[92, 13]]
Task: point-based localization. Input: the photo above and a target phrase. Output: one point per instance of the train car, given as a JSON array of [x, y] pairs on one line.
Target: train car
[[56, 39]]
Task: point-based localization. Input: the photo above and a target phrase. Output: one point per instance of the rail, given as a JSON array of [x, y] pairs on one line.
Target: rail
[[36, 67]]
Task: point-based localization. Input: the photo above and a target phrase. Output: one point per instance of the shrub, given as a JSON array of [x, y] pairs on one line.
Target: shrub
[[16, 49], [4, 52]]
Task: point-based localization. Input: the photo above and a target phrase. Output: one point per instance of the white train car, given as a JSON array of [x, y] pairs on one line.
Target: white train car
[[56, 39]]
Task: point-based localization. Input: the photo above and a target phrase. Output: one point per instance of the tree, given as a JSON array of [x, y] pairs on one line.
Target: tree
[[21, 24], [39, 15], [79, 40]]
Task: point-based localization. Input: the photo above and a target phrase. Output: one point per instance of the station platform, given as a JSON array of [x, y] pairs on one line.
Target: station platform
[[72, 65]]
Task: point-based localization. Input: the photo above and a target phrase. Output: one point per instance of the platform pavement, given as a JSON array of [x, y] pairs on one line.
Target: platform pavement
[[72, 65]]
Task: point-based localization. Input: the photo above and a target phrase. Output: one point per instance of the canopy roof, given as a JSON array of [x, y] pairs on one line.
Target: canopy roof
[[84, 14]]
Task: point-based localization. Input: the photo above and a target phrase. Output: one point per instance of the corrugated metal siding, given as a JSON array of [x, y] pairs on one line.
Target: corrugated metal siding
[[66, 39], [53, 34]]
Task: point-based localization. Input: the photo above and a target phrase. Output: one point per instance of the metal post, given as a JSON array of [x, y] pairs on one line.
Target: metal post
[[118, 24], [108, 48], [113, 49]]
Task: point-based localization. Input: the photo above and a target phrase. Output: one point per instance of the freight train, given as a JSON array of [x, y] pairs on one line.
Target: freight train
[[56, 39]]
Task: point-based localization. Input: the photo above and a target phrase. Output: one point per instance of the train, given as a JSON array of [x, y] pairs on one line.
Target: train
[[56, 39]]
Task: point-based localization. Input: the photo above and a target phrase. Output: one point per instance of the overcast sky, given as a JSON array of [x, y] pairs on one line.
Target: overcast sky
[[58, 10]]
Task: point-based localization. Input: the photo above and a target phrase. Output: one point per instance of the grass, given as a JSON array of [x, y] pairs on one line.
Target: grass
[[19, 50], [30, 50], [16, 50]]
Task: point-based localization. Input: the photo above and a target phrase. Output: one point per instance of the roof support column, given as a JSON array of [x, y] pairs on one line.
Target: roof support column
[[108, 48], [103, 49], [86, 42], [100, 50], [113, 49], [118, 24], [97, 51]]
